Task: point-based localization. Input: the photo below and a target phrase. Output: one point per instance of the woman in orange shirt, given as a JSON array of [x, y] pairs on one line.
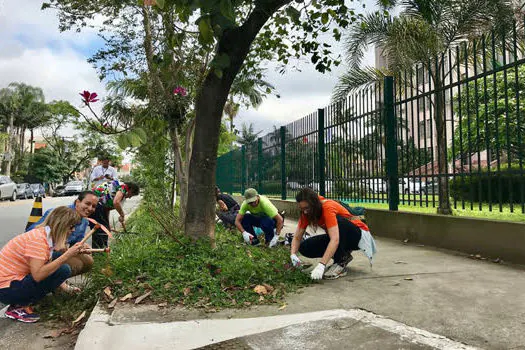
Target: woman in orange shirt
[[26, 272], [341, 238]]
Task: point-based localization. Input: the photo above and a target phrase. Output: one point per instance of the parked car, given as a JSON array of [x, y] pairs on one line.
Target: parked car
[[59, 191], [7, 188], [24, 190], [294, 185], [38, 190], [374, 185], [430, 187], [74, 187], [407, 185]]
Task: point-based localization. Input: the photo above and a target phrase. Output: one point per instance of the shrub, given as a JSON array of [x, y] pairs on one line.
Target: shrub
[[507, 183]]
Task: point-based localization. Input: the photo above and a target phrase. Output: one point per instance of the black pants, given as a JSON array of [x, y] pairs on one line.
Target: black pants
[[349, 237], [228, 217], [100, 238]]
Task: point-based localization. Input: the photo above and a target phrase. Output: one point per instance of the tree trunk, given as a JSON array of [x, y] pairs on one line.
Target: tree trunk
[[10, 145], [181, 172], [209, 106], [32, 145], [441, 125]]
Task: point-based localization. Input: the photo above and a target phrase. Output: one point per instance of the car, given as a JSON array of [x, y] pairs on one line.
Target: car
[[74, 187], [38, 190], [293, 185], [24, 190], [430, 187], [7, 188], [59, 191], [407, 185], [374, 185]]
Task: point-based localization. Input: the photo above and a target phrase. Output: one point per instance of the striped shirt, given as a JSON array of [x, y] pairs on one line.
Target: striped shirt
[[15, 255]]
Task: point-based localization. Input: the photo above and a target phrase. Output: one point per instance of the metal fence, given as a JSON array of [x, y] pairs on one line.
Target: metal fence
[[452, 128]]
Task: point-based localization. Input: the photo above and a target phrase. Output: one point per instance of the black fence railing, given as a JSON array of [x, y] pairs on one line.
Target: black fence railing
[[448, 134]]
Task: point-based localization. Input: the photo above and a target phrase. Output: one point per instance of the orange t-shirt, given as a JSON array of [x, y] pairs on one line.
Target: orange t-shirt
[[329, 216], [15, 255]]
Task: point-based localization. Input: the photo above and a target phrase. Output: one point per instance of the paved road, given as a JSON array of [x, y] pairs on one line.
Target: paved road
[[14, 215]]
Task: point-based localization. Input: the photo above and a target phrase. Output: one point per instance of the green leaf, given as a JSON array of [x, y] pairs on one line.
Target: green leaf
[[218, 72], [221, 61], [160, 4], [227, 9], [293, 13], [141, 134], [324, 18], [206, 34], [122, 141], [134, 139]]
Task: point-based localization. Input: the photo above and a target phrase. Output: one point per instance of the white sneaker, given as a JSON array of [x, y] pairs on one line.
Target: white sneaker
[[335, 271]]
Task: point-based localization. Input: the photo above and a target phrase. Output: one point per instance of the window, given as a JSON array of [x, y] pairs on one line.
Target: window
[[423, 104], [424, 129], [420, 75]]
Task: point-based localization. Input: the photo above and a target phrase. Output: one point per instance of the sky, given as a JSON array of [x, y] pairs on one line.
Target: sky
[[33, 51]]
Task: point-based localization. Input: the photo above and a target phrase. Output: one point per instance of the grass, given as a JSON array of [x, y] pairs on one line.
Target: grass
[[181, 272]]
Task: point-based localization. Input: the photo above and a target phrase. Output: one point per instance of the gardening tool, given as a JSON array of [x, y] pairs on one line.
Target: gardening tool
[[90, 233], [97, 250]]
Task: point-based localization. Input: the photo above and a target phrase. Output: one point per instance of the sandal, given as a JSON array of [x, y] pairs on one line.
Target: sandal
[[68, 289]]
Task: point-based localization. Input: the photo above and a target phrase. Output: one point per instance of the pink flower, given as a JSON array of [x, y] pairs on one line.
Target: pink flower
[[179, 90], [88, 97]]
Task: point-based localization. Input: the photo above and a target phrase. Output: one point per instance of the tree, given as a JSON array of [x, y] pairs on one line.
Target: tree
[[497, 127], [236, 34], [419, 35]]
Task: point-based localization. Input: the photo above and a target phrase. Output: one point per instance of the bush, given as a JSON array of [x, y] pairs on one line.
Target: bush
[[475, 187], [271, 187]]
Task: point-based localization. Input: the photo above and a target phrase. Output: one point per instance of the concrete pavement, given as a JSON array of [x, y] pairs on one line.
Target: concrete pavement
[[421, 292]]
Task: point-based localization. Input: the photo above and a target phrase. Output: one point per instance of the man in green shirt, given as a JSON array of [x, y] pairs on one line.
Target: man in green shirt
[[258, 211]]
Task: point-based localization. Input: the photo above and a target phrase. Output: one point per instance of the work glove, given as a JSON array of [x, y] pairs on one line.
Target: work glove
[[274, 241], [318, 272], [296, 262], [247, 237]]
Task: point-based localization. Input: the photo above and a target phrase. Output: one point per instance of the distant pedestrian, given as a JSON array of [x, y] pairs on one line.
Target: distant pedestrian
[[103, 173], [111, 196], [228, 208], [258, 211], [344, 234], [27, 274]]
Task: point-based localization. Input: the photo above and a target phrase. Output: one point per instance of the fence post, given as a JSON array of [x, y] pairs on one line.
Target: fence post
[[391, 144], [283, 163], [259, 165], [243, 170], [320, 137]]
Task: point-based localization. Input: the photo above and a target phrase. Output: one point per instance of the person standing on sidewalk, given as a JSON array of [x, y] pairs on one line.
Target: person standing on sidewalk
[[344, 234], [27, 273], [103, 173], [85, 206], [258, 211]]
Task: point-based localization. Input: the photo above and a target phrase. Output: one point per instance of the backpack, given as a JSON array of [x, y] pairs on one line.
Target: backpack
[[355, 211]]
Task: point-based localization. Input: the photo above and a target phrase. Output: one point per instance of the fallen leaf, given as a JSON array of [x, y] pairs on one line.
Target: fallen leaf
[[268, 287], [141, 277], [163, 304], [126, 297], [249, 254], [107, 291], [405, 241], [247, 303], [497, 260], [142, 297], [409, 279], [261, 298], [113, 303], [79, 318], [478, 256], [54, 334], [118, 282], [186, 291], [283, 306], [400, 262], [168, 285], [261, 290], [397, 284]]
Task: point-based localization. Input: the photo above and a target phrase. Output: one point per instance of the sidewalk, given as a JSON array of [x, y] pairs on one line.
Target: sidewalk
[[415, 297]]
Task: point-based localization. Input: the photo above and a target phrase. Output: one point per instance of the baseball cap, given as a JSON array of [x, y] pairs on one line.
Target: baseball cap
[[250, 195]]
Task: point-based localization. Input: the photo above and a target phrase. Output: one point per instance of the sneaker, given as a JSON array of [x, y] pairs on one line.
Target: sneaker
[[335, 271], [22, 314]]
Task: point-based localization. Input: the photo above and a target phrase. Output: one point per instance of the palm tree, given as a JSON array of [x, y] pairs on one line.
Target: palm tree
[[422, 31]]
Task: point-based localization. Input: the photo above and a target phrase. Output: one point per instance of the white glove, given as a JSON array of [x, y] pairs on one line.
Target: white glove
[[247, 237], [318, 272], [296, 262], [274, 241]]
